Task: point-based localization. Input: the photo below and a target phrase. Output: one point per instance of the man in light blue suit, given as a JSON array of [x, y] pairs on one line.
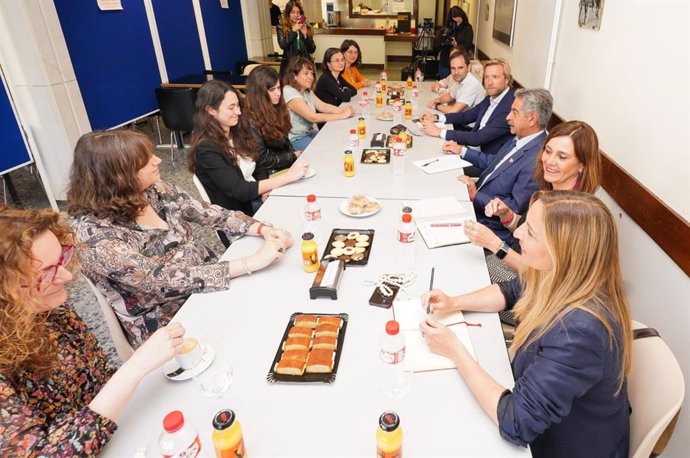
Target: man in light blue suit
[[508, 174]]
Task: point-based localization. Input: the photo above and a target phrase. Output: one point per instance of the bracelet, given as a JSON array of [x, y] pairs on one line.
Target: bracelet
[[509, 219], [246, 267], [260, 228]]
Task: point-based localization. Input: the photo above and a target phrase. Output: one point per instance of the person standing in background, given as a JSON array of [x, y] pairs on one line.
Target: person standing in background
[[275, 14], [295, 35], [457, 32]]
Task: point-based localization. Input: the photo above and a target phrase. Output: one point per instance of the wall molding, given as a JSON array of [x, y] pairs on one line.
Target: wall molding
[[669, 230]]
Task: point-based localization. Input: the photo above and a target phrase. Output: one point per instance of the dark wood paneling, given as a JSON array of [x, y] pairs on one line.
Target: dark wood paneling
[[667, 228]]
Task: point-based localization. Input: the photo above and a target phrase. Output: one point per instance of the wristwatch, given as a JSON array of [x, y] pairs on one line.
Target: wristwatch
[[502, 250]]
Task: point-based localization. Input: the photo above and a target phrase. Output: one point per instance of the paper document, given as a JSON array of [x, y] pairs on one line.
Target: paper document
[[440, 221], [418, 358], [441, 163]]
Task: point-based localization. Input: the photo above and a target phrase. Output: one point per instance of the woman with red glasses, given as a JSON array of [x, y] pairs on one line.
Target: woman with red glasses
[[58, 394]]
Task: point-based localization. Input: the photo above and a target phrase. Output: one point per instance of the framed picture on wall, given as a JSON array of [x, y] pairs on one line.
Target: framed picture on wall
[[590, 14], [504, 21]]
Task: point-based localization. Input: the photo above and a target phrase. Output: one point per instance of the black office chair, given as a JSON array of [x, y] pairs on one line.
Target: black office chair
[[176, 106]]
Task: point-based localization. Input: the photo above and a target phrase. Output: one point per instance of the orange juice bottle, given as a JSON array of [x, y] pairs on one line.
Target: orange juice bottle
[[379, 99], [389, 436], [310, 258], [349, 163], [409, 82], [227, 435], [408, 109], [361, 128]]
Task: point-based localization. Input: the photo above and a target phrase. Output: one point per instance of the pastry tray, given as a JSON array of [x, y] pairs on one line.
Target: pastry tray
[[272, 377], [366, 152], [345, 258], [391, 139]]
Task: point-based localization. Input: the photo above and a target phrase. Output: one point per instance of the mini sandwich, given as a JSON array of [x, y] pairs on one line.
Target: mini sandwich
[[320, 361], [332, 320], [296, 343], [323, 330], [306, 321], [294, 355], [289, 367], [297, 331], [325, 343]]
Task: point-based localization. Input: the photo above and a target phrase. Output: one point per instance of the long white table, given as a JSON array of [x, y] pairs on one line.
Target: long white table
[[439, 415], [325, 154]]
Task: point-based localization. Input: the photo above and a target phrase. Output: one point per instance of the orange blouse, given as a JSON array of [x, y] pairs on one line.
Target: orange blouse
[[353, 77]]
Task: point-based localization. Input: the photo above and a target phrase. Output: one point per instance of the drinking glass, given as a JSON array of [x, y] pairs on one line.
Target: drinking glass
[[363, 102], [215, 381]]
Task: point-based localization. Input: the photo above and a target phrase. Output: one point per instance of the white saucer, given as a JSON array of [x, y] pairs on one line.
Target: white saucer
[[310, 173], [207, 355], [344, 205]]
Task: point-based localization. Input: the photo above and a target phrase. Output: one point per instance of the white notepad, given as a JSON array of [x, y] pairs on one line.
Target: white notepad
[[432, 214], [442, 163], [418, 358]]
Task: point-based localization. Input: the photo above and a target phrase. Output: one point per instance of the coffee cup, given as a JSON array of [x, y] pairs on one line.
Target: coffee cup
[[190, 355]]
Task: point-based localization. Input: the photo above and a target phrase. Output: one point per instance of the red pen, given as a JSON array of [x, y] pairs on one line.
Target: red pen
[[446, 225]]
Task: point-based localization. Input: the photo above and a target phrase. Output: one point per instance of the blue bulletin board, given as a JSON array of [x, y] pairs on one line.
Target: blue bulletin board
[[224, 34], [179, 37], [14, 152], [113, 58]]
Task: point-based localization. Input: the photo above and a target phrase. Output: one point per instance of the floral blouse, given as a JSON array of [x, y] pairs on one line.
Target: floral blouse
[[147, 273], [47, 414]]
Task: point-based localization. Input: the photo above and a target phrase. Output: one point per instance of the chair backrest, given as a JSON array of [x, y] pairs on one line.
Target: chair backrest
[[124, 349], [176, 105], [201, 189], [655, 389]]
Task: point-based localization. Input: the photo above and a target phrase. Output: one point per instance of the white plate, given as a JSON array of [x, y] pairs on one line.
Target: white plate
[[171, 366], [310, 173], [344, 205]]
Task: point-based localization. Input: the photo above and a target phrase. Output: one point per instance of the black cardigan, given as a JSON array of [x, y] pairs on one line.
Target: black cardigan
[[224, 181], [274, 155], [333, 91]]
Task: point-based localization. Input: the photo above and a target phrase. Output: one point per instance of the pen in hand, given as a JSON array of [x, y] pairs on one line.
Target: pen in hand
[[431, 286]]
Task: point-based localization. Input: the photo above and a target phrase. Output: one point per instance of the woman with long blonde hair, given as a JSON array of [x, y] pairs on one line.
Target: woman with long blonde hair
[[58, 394], [572, 349]]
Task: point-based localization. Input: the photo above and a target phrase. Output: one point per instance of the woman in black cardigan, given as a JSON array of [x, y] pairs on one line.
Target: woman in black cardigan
[[332, 87], [295, 35], [266, 116], [223, 156]]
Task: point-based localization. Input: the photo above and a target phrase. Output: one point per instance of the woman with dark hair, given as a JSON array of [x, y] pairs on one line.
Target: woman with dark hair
[[267, 114], [223, 155], [332, 87], [59, 395], [136, 244], [353, 59], [572, 348], [458, 32], [569, 160], [295, 35]]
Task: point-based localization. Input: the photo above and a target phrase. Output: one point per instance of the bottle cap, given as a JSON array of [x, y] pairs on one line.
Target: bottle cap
[[407, 209], [311, 198], [307, 236], [392, 327], [173, 421], [348, 151], [361, 119], [353, 131], [223, 419], [406, 218], [389, 421]]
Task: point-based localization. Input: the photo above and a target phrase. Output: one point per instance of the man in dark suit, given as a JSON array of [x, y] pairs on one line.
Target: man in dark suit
[[508, 174], [275, 14], [490, 130]]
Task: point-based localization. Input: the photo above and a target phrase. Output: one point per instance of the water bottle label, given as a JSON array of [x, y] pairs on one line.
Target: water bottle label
[[406, 237], [389, 357], [313, 215], [190, 452]]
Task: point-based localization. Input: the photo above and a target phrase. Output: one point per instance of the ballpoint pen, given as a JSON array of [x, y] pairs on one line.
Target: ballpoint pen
[[446, 225], [431, 286], [430, 162]]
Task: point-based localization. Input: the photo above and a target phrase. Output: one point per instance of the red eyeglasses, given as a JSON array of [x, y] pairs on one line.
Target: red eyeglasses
[[48, 274]]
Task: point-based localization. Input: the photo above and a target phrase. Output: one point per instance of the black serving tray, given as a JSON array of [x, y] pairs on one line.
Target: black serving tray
[[327, 249], [272, 377], [366, 152]]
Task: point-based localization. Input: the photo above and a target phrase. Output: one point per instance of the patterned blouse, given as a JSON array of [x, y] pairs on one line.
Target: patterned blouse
[[47, 414], [147, 273]]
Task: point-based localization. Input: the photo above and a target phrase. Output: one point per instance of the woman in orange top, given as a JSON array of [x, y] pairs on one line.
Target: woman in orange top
[[353, 58]]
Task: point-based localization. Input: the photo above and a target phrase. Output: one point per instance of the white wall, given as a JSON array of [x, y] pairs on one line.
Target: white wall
[[631, 81]]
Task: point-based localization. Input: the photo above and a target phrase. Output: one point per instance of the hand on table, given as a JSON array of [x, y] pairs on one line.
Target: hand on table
[[432, 103], [297, 153], [482, 236], [438, 301], [496, 207], [471, 185], [298, 170], [430, 128], [163, 344], [429, 117], [440, 339], [272, 250], [347, 111], [451, 147], [281, 236]]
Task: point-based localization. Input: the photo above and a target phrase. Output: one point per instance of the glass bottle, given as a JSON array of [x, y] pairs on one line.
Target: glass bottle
[[389, 436], [310, 258], [227, 435], [349, 164]]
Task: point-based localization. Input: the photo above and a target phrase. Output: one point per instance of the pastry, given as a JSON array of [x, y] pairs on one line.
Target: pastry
[[362, 238], [294, 355], [331, 320], [297, 331], [320, 361], [289, 367], [359, 249], [325, 343], [352, 235], [362, 244], [337, 251], [297, 343], [338, 244], [339, 237], [357, 257], [348, 251], [327, 330], [306, 321]]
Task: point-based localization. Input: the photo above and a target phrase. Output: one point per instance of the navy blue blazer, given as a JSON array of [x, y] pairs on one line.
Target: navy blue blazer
[[495, 133], [513, 182], [564, 403]]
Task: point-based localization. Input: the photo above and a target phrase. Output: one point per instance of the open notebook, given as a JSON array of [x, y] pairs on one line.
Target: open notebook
[[441, 163], [440, 221], [418, 358]]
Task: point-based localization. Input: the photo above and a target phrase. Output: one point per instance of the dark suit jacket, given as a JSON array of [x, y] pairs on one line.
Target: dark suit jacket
[[564, 403], [223, 180], [512, 182], [495, 133]]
